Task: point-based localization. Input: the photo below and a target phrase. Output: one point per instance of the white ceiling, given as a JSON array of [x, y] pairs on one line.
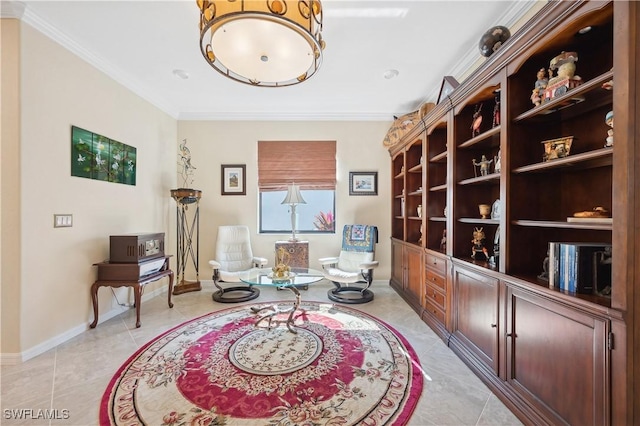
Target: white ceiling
[[141, 43]]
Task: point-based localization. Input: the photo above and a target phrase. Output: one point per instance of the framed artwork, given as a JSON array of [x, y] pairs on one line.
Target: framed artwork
[[98, 157], [233, 179], [363, 183], [448, 85]]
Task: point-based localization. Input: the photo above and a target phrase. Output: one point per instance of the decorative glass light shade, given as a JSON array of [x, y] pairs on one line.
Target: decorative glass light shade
[[269, 43]]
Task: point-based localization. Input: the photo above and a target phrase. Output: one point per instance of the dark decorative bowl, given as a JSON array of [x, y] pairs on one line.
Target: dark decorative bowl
[[493, 39]]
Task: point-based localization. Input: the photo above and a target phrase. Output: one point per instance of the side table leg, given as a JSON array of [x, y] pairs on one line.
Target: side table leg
[[138, 297], [170, 288], [94, 299]]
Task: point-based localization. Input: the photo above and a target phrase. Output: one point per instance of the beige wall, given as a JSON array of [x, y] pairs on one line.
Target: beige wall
[[359, 148], [10, 187], [59, 90]]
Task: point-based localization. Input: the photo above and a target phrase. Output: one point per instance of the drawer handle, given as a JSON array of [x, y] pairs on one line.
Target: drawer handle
[[494, 325]]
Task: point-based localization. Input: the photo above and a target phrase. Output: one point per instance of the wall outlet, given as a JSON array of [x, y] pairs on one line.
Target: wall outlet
[[62, 220]]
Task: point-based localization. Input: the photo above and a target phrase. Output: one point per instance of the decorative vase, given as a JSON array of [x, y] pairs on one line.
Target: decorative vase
[[493, 39], [485, 210], [419, 210]]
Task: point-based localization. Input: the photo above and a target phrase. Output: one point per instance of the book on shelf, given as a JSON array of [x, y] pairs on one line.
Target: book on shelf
[[580, 267]]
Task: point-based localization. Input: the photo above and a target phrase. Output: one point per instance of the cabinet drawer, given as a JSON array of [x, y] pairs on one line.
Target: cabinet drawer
[[436, 297], [435, 279], [434, 310], [436, 264]]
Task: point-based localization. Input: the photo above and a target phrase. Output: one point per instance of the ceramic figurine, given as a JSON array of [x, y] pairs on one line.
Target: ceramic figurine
[[565, 64], [609, 120], [497, 162], [496, 111], [443, 241], [544, 275], [483, 164], [540, 85], [476, 121], [478, 248]]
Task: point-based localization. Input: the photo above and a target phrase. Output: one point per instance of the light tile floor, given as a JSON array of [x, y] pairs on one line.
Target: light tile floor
[[74, 375]]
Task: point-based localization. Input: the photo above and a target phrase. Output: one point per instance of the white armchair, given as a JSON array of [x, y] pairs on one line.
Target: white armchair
[[233, 258], [352, 271]]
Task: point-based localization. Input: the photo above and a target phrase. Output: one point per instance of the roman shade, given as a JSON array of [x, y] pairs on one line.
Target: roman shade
[[310, 164]]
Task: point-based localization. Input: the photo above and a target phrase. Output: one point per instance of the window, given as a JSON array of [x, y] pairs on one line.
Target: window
[[309, 164]]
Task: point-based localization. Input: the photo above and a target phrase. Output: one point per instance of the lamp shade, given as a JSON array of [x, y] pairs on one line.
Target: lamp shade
[[293, 195]]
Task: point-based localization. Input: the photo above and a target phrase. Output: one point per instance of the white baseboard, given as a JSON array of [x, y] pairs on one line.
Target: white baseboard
[[17, 358]]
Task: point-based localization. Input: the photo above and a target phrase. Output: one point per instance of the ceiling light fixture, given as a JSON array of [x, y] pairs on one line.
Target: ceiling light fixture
[[271, 43]]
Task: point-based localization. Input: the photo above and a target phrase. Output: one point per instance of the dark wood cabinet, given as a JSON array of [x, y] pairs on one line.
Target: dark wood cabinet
[[552, 356], [436, 301], [557, 355], [476, 314], [407, 272]]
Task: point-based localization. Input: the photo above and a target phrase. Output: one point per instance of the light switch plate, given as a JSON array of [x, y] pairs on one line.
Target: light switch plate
[[62, 220]]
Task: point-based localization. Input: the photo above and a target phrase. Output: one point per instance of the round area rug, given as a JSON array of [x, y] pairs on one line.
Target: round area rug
[[341, 367]]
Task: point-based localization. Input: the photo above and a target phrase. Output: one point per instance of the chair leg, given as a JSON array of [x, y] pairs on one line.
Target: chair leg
[[234, 294]]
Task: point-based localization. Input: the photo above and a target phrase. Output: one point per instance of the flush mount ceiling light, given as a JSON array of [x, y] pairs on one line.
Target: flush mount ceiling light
[[271, 43]]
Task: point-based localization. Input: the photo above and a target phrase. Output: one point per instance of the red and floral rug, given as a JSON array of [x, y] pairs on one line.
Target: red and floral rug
[[342, 367]]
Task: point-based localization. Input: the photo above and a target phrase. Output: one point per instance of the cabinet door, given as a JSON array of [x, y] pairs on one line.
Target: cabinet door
[[397, 265], [413, 279], [557, 359], [476, 303]]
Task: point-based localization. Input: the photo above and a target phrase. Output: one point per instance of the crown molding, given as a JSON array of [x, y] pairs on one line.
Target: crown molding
[[285, 116]]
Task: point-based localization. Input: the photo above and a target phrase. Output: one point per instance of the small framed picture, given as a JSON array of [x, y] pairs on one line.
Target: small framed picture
[[363, 183], [233, 179]]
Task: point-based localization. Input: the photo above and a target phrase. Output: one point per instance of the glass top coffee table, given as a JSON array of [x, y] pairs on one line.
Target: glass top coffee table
[[297, 277]]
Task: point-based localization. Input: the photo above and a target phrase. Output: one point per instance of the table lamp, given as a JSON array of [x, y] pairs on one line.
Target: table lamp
[[293, 198]]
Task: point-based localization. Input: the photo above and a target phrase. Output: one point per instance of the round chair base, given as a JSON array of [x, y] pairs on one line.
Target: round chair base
[[235, 294], [350, 295]]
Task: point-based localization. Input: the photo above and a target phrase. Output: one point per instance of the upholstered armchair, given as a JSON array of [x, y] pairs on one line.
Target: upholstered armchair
[[234, 257], [352, 271]]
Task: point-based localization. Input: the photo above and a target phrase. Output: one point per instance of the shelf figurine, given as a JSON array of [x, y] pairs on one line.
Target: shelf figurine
[[539, 87], [497, 162], [478, 248], [565, 64], [609, 121], [476, 121], [483, 164], [496, 111], [443, 241], [544, 275]]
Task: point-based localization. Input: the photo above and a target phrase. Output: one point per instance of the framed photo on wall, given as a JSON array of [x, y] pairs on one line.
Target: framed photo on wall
[[363, 183], [233, 179]]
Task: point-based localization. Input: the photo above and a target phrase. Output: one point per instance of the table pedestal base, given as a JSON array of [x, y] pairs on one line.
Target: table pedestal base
[[272, 311]]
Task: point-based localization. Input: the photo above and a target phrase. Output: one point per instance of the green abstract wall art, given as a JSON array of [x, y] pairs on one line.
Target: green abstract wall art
[[97, 157]]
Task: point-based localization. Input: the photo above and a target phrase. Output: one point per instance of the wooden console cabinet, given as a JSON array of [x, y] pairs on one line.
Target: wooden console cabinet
[[552, 356], [134, 275]]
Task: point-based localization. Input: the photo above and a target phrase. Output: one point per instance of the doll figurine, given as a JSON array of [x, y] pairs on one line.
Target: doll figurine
[[538, 91]]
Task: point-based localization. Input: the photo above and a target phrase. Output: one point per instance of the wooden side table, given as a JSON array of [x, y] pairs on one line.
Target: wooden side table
[[130, 275]]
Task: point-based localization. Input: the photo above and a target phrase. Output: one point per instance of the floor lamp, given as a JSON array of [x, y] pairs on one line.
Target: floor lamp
[[293, 198]]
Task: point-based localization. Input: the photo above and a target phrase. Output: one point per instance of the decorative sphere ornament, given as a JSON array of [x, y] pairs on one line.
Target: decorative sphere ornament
[[493, 39]]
